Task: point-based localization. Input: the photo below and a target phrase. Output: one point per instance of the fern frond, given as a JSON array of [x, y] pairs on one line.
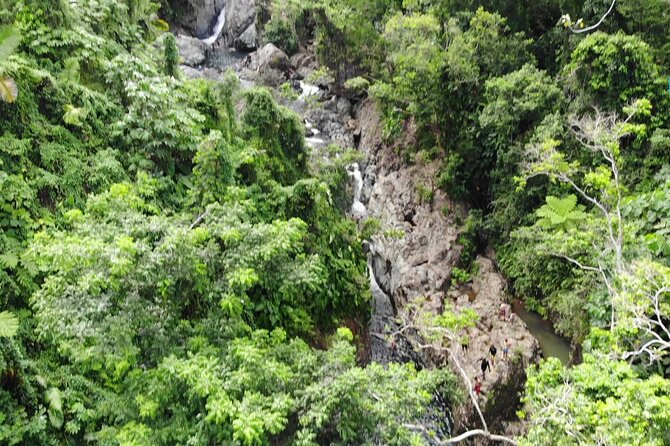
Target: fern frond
[[9, 324], [8, 90]]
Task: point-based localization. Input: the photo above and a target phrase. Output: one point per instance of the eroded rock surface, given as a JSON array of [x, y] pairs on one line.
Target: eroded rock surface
[[197, 16], [192, 51], [240, 16], [416, 257]]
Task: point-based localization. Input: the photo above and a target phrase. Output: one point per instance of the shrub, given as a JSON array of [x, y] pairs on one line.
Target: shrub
[[280, 33]]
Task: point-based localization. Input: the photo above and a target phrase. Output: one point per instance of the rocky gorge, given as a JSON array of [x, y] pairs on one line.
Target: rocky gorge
[[418, 261]]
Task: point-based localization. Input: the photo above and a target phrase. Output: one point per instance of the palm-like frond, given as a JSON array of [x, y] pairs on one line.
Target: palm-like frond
[[560, 213], [9, 92], [9, 324]]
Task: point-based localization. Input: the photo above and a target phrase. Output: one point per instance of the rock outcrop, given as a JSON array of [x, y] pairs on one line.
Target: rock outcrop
[[240, 27], [197, 16], [247, 40], [418, 260], [193, 52]]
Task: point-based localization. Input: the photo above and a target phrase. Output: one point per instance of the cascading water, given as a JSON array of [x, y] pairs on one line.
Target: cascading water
[[308, 90], [218, 28], [357, 208], [313, 141]]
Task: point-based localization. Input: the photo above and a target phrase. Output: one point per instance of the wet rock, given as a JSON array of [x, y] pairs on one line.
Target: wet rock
[[240, 16], [304, 63], [247, 40], [192, 50], [197, 16], [205, 73]]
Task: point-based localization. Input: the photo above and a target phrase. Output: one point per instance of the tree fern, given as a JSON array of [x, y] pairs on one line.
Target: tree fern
[[560, 213]]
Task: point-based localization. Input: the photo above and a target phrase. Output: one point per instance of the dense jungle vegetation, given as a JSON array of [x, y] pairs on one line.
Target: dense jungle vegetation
[[173, 271]]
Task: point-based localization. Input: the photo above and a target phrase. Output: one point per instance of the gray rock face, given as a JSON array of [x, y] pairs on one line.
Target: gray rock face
[[305, 63], [198, 16], [191, 50], [240, 15], [271, 57], [247, 40], [418, 259]]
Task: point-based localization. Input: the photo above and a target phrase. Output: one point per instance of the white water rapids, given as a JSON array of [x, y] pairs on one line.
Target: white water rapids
[[308, 90], [218, 28]]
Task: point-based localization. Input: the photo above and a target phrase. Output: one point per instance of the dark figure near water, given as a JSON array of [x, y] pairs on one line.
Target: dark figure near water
[[493, 350], [485, 366]]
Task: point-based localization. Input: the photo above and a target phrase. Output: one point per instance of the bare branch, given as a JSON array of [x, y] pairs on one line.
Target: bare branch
[[412, 323], [592, 27], [198, 220]]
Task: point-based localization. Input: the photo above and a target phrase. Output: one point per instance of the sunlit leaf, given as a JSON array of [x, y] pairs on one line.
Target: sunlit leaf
[[9, 324], [8, 90]]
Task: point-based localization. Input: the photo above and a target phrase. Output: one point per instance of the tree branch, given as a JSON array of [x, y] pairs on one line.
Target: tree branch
[[592, 27]]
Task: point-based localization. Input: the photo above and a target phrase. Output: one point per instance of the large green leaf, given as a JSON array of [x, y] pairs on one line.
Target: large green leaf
[[8, 90], [55, 411], [9, 324], [10, 39]]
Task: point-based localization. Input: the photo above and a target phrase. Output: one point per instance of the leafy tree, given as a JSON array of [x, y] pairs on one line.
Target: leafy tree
[[601, 401], [635, 77], [278, 134]]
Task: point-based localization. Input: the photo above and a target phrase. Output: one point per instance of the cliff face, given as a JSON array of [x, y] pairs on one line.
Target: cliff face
[[418, 261], [196, 16]]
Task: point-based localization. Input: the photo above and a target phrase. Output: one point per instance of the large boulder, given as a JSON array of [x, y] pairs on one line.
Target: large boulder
[[191, 50], [271, 57], [197, 16], [247, 40], [240, 15]]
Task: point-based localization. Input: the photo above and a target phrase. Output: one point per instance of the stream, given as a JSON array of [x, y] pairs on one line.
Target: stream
[[553, 345], [439, 417]]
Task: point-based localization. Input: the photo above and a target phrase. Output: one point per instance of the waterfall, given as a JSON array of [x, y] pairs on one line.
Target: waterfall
[[218, 28], [357, 208]]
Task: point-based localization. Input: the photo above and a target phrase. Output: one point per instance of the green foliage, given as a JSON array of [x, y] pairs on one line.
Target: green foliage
[[158, 125], [357, 85], [471, 239], [460, 276], [9, 324], [171, 54], [560, 213], [9, 41], [649, 211], [415, 60], [600, 400], [636, 75], [213, 170], [279, 32], [278, 134]]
